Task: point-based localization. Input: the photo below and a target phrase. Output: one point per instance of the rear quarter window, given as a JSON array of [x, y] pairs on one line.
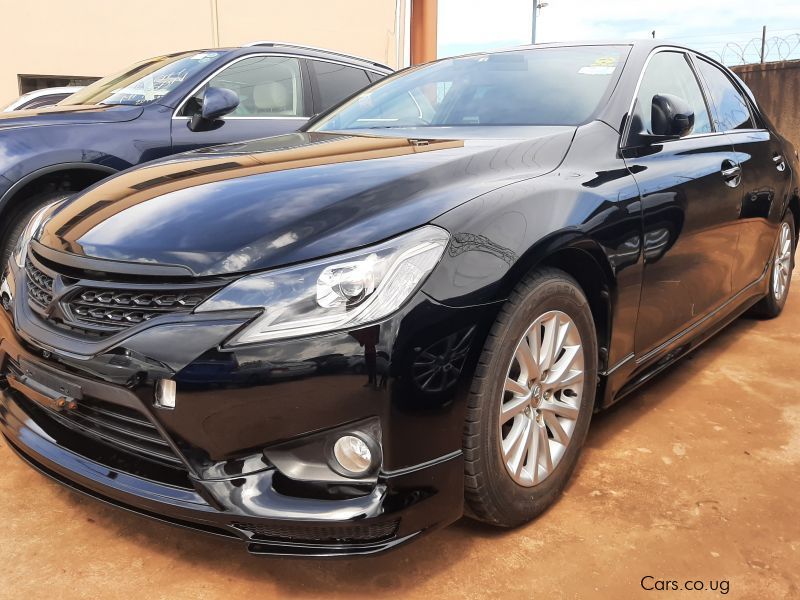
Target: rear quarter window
[[333, 82]]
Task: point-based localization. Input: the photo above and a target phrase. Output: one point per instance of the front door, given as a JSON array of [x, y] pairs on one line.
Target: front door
[[273, 100], [690, 208]]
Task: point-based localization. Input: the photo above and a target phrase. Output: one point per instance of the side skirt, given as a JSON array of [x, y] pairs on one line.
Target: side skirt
[[632, 373]]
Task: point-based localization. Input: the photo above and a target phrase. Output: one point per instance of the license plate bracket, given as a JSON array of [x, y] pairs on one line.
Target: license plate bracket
[[47, 388]]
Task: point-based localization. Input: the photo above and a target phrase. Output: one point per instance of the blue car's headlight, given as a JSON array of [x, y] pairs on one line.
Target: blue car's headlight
[[343, 292]]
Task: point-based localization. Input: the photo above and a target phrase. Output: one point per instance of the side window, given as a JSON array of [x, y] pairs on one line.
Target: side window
[[334, 82], [732, 110], [670, 73], [267, 86]]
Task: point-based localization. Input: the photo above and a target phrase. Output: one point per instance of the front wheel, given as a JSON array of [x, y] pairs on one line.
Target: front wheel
[[781, 267], [531, 400]]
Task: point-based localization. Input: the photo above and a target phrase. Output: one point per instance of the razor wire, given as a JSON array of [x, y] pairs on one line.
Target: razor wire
[[775, 48]]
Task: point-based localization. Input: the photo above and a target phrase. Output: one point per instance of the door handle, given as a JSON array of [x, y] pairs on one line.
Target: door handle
[[731, 173], [779, 161]]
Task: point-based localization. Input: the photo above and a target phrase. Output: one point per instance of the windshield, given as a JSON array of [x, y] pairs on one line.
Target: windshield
[[539, 86], [145, 82]]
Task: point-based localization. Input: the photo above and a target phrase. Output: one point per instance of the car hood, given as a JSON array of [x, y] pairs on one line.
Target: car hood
[[266, 203], [68, 115]]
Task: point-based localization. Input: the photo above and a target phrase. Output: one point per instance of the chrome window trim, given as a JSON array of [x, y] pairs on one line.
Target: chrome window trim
[[707, 100], [318, 49], [700, 81], [626, 132], [226, 66], [176, 116], [745, 97], [179, 118]]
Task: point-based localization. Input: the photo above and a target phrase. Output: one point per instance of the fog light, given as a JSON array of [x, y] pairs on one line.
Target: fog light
[[166, 393], [353, 454]]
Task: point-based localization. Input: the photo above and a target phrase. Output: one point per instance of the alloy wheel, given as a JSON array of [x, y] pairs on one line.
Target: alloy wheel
[[541, 398], [782, 263]]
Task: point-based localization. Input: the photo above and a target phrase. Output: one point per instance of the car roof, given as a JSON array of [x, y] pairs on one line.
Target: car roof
[[297, 49], [640, 46]]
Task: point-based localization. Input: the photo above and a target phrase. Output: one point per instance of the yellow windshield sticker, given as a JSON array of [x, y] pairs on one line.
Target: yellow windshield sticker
[[601, 66]]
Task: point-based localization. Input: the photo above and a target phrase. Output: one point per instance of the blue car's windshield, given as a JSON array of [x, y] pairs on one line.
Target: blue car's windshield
[[537, 86], [145, 82]]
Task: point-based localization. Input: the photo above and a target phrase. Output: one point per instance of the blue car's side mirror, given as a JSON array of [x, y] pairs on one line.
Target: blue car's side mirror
[[217, 102]]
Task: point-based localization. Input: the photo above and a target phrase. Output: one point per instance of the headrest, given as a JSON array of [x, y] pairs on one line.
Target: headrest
[[271, 97]]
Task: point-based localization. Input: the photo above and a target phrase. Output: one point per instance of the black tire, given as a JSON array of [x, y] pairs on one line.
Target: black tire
[[771, 305], [19, 220], [492, 495]]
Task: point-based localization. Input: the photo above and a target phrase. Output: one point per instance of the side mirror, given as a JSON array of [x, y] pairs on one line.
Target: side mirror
[[217, 102], [671, 117]]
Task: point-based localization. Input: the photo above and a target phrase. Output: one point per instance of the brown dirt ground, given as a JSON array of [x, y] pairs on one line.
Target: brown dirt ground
[[697, 477]]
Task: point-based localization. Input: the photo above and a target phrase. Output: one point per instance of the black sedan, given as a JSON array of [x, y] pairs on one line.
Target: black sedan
[[329, 342]]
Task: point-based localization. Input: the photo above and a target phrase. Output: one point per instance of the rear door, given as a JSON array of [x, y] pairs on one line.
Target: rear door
[[274, 98], [690, 209], [766, 181]]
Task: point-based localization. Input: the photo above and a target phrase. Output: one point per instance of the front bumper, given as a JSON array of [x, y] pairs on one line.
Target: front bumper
[[310, 537], [232, 408]]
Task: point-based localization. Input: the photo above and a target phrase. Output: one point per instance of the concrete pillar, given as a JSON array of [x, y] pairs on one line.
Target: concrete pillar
[[424, 16]]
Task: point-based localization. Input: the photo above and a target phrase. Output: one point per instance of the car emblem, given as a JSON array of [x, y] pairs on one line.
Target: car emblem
[[60, 289]]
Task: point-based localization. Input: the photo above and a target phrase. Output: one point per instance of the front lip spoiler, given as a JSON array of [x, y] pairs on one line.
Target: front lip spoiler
[[187, 508], [259, 548], [73, 485]]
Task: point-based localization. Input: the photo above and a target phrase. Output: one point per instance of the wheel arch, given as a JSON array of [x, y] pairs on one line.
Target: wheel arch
[[583, 259], [71, 176]]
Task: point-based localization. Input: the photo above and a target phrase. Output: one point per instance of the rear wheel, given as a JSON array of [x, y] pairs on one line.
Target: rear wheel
[[19, 220], [531, 401], [781, 268]]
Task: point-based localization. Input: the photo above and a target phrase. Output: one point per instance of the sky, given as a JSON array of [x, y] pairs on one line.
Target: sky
[[713, 26]]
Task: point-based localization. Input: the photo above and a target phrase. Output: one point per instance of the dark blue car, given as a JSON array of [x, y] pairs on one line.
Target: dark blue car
[[163, 106]]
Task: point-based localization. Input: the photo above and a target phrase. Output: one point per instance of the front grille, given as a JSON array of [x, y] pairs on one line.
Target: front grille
[[326, 534], [100, 308], [117, 309], [40, 286]]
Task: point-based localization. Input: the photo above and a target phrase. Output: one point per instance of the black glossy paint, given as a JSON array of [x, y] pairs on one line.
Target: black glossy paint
[[666, 252], [312, 192]]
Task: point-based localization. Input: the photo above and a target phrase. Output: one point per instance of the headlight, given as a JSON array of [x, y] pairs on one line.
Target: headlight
[[342, 292], [31, 232]]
